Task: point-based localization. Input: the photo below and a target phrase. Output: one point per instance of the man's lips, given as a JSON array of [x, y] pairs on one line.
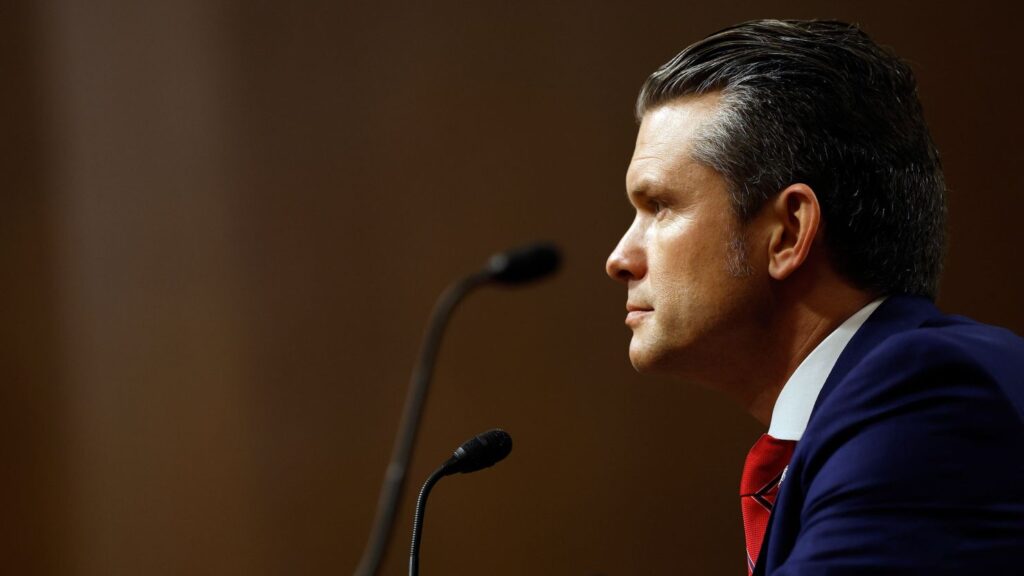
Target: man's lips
[[635, 313]]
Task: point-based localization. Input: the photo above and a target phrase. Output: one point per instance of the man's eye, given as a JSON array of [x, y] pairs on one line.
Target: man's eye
[[656, 207]]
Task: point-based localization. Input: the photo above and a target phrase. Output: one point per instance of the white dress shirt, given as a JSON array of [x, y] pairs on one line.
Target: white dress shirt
[[793, 407]]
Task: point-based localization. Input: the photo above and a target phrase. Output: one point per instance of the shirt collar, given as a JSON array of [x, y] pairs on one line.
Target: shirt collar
[[796, 400]]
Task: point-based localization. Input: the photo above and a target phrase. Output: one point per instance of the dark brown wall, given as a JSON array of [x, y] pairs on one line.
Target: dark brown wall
[[34, 428], [226, 223]]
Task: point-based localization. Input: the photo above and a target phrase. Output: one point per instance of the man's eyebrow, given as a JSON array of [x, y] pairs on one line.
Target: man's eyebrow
[[644, 190], [637, 196]]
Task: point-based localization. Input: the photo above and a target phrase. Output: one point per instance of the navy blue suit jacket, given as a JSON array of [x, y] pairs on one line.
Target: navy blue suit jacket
[[913, 459]]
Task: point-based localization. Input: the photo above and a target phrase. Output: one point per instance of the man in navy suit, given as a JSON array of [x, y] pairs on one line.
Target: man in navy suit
[[786, 250]]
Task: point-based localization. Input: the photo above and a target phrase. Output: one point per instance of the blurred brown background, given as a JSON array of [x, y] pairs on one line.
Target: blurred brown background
[[224, 225]]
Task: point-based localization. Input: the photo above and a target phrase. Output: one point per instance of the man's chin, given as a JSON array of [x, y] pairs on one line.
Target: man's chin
[[656, 356], [645, 360], [642, 367]]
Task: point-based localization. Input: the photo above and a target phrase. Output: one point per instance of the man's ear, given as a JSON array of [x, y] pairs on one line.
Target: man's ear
[[795, 217]]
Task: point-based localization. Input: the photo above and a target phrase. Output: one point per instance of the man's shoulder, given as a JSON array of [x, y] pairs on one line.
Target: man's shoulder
[[949, 387], [915, 440], [944, 356], [945, 340], [947, 352]]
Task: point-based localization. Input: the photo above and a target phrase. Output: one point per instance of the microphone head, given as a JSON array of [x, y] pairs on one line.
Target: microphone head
[[479, 452], [524, 264]]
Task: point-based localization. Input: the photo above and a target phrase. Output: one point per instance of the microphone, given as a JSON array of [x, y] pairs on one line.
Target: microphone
[[479, 452], [524, 264], [517, 266]]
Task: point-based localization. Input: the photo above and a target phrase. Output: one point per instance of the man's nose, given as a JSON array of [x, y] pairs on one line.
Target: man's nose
[[627, 261]]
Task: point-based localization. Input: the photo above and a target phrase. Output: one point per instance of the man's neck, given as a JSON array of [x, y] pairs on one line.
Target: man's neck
[[797, 328]]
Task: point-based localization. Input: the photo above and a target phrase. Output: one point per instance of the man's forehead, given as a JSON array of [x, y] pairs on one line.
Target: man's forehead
[[666, 138], [674, 123]]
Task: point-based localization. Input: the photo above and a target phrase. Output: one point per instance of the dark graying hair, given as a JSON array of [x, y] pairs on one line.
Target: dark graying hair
[[819, 103]]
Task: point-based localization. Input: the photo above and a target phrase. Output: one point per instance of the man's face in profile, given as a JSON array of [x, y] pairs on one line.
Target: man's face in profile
[[687, 300]]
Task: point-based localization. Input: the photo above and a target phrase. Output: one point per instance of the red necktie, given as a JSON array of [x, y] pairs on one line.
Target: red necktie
[[760, 484]]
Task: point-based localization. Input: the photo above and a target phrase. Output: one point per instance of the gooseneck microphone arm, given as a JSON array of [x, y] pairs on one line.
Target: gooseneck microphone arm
[[417, 519], [513, 267]]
